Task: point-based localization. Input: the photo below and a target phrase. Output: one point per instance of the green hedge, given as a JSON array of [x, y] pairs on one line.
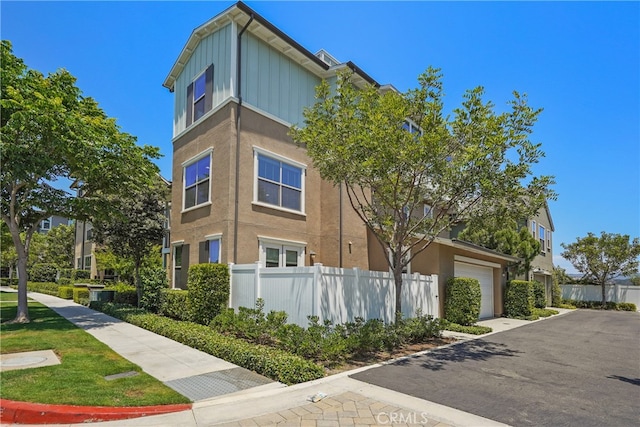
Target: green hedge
[[519, 299], [474, 329], [49, 288], [208, 287], [597, 305], [273, 363], [81, 274], [42, 272], [462, 301], [65, 273], [539, 295], [154, 281], [65, 292], [81, 296], [175, 304], [5, 281]]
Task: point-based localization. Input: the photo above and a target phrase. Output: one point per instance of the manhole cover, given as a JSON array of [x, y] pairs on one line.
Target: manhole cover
[[24, 361]]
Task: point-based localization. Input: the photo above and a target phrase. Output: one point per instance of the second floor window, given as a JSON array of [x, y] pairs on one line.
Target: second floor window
[[200, 95], [45, 224], [196, 181], [279, 183], [542, 238]]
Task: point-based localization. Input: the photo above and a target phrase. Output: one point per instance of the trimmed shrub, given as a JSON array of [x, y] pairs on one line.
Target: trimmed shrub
[[42, 272], [597, 305], [175, 304], [519, 299], [273, 363], [154, 280], [81, 296], [65, 292], [539, 295], [463, 298], [544, 312], [626, 306], [208, 290], [49, 288], [5, 281], [63, 281], [473, 330], [81, 274], [125, 294]]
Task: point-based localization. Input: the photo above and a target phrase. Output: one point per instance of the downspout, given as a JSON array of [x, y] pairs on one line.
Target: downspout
[[340, 225], [237, 180]]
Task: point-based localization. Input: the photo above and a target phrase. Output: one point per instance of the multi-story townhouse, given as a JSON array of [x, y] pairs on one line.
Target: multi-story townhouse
[[541, 227], [244, 192]]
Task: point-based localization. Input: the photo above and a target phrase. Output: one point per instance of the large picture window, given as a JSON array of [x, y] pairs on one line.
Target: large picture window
[[197, 174], [279, 182]]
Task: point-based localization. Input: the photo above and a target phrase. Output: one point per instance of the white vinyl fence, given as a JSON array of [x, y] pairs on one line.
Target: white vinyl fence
[[615, 293], [339, 295]]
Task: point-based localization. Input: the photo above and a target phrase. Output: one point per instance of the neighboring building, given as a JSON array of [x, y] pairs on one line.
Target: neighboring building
[[541, 227], [53, 221], [245, 193]]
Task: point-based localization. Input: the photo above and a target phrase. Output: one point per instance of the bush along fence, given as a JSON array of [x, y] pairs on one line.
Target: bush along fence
[[463, 300], [331, 294], [614, 293]]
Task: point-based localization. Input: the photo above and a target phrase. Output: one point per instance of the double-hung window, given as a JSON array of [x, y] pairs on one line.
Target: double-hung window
[[45, 225], [533, 229], [542, 238], [210, 249], [197, 177], [279, 181], [199, 95]]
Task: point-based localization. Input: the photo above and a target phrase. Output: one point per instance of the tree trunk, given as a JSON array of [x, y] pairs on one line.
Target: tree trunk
[[22, 315], [604, 294], [397, 278]]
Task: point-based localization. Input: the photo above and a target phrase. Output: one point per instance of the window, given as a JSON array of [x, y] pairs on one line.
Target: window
[[78, 263], [533, 229], [45, 225], [210, 249], [411, 128], [177, 257], [89, 234], [87, 262], [274, 253], [279, 182], [196, 180], [542, 239], [200, 95], [428, 211]]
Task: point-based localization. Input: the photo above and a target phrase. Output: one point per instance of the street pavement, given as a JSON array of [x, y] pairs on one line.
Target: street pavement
[[580, 369]]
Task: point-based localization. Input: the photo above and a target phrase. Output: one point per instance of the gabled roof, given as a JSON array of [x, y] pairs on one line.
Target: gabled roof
[[240, 13]]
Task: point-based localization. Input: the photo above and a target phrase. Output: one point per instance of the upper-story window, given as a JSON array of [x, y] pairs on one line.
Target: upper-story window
[[45, 225], [279, 181], [428, 211], [200, 95], [411, 128], [197, 174], [549, 240], [542, 237], [533, 229]]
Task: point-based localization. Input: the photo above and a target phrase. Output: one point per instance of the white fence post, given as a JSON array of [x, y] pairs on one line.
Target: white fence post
[[256, 276], [317, 291], [230, 283]]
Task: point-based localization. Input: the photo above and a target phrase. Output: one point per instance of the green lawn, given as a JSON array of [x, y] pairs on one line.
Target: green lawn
[[79, 379]]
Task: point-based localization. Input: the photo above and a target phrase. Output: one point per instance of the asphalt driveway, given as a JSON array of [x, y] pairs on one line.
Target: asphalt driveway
[[579, 369]]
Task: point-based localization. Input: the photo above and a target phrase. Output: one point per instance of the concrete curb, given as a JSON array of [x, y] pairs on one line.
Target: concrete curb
[[14, 412]]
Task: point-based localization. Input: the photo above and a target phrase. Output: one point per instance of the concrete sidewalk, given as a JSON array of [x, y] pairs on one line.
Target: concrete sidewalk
[[347, 401]]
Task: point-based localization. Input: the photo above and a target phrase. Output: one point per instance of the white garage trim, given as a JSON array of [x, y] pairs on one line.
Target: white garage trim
[[484, 275], [476, 261]]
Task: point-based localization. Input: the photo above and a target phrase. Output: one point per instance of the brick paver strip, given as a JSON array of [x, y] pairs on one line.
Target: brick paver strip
[[346, 409]]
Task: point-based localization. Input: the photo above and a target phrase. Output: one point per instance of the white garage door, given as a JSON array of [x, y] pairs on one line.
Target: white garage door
[[485, 277]]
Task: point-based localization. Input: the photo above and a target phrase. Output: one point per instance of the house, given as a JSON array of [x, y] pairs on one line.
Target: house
[[51, 222], [541, 228], [244, 192]]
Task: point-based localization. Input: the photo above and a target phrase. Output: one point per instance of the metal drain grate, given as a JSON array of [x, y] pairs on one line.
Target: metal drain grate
[[212, 384]]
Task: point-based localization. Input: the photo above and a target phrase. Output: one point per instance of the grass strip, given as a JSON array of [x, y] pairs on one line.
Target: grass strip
[[79, 379]]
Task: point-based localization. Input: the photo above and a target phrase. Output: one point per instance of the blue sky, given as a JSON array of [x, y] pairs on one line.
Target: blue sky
[[580, 61]]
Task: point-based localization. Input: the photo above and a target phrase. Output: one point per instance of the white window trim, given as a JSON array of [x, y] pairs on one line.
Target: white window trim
[[86, 264], [174, 245], [218, 237], [282, 245], [49, 221], [534, 230], [542, 231], [190, 161], [303, 167]]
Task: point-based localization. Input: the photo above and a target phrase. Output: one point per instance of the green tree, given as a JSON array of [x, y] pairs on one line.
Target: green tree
[[136, 226], [60, 245], [395, 152], [51, 132], [506, 235], [601, 259]]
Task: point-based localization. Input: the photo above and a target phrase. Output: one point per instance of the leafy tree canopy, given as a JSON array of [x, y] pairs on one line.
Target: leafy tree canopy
[[50, 131], [601, 259], [394, 152]]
